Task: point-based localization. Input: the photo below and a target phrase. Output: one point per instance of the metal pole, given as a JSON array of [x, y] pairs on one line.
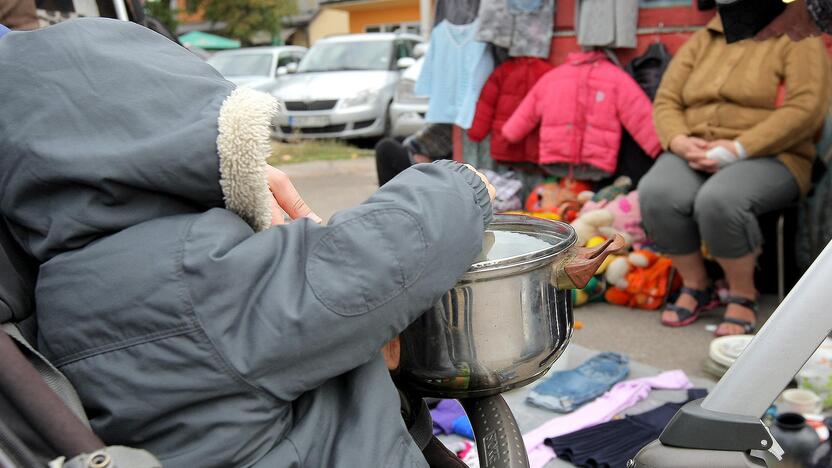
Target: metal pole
[[781, 348], [121, 10], [425, 17]]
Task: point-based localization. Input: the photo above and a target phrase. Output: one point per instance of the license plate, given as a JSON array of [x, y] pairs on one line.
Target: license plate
[[308, 121]]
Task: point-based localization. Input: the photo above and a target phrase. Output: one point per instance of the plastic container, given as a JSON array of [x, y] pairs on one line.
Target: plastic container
[[816, 374], [799, 441]]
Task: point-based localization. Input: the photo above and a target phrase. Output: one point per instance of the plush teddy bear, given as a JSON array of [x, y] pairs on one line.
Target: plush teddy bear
[[589, 225], [642, 280], [626, 217]]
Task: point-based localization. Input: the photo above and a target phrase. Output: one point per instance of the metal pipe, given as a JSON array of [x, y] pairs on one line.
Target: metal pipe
[[121, 10], [424, 17], [781, 348]]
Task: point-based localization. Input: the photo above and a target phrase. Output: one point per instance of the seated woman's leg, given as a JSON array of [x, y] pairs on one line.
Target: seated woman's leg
[[666, 194], [726, 210], [391, 159]]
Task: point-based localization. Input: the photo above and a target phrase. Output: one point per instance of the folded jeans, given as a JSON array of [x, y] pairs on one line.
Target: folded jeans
[[564, 391]]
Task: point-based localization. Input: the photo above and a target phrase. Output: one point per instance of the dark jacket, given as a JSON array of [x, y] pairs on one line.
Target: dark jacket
[[189, 326]]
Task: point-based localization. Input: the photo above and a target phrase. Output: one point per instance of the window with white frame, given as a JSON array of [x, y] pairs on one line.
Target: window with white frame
[[403, 27]]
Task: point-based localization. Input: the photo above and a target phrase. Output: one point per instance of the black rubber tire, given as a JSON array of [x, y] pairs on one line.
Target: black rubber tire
[[499, 441]]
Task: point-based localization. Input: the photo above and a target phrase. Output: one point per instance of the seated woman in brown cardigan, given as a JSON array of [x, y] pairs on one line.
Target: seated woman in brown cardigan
[[737, 123]]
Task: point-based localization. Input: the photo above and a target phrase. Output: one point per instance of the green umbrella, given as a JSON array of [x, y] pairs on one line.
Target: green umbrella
[[208, 41]]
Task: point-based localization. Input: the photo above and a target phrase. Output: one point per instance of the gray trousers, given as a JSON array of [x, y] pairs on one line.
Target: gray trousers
[[681, 207]]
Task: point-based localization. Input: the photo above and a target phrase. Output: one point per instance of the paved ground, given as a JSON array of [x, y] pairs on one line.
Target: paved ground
[[329, 186]]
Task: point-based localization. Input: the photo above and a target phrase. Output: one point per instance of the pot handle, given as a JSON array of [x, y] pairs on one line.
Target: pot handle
[[575, 271]]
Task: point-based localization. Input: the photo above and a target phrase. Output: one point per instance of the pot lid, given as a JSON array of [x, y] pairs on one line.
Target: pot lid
[[511, 240]]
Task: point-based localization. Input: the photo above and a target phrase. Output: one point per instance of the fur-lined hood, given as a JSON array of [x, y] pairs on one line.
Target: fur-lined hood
[[97, 139]]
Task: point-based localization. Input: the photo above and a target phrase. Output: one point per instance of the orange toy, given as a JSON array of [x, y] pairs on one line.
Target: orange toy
[[647, 284], [550, 197]]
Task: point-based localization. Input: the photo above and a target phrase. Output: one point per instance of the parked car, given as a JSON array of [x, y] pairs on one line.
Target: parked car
[[256, 67], [344, 86], [407, 113]]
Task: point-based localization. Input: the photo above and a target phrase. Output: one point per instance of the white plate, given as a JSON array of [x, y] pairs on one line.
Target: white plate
[[309, 121], [726, 349]]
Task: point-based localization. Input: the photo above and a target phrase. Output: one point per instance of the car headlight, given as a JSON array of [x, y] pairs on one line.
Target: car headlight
[[405, 91], [362, 98]]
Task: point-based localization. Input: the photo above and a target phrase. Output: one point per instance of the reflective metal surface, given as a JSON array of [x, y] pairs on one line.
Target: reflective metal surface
[[501, 327]]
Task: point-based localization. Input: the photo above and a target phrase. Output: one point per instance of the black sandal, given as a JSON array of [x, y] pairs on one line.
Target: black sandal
[[747, 327], [705, 301]]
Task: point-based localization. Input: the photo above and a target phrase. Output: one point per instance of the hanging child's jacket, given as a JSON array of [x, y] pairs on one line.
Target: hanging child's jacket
[[500, 97], [455, 69], [580, 107]]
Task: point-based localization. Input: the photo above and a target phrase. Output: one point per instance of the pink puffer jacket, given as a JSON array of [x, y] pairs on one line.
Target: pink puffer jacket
[[580, 107]]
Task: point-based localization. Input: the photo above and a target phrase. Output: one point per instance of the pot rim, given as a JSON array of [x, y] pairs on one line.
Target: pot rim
[[561, 235]]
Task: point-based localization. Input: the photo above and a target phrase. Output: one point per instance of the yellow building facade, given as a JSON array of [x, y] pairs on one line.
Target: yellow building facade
[[378, 15]]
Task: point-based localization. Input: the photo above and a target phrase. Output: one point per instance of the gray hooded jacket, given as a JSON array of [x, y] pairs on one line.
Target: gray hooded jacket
[[135, 174]]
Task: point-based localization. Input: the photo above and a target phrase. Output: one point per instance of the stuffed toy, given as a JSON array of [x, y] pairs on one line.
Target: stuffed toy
[[626, 218], [593, 292], [646, 282], [621, 186], [589, 225], [550, 197], [541, 215]]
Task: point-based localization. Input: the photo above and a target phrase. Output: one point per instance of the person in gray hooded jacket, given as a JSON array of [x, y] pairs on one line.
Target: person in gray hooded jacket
[[190, 326]]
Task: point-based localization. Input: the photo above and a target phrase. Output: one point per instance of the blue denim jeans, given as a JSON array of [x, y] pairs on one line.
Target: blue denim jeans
[[564, 391]]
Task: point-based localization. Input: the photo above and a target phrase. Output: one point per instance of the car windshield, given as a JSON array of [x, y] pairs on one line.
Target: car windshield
[[242, 64], [353, 55]]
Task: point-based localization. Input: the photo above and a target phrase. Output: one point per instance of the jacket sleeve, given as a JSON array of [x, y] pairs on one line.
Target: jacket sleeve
[[806, 78], [484, 115], [636, 114], [295, 305], [526, 117], [668, 108]]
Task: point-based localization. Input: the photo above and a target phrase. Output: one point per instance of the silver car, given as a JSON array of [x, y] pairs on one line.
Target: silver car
[[408, 110], [344, 86], [256, 67]]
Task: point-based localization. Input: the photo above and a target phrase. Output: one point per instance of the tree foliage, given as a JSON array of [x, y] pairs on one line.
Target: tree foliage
[[161, 10], [243, 18]]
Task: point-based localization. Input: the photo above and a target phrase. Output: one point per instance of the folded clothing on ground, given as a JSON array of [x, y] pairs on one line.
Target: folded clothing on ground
[[615, 442], [565, 391]]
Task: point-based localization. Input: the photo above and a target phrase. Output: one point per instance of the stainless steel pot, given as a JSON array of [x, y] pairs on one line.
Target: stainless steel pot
[[507, 319]]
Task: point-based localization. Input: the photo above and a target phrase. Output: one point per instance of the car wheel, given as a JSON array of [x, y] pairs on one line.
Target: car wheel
[[388, 121]]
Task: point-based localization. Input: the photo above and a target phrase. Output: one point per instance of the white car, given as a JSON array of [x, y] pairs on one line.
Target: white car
[[407, 113], [256, 67], [344, 86]]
